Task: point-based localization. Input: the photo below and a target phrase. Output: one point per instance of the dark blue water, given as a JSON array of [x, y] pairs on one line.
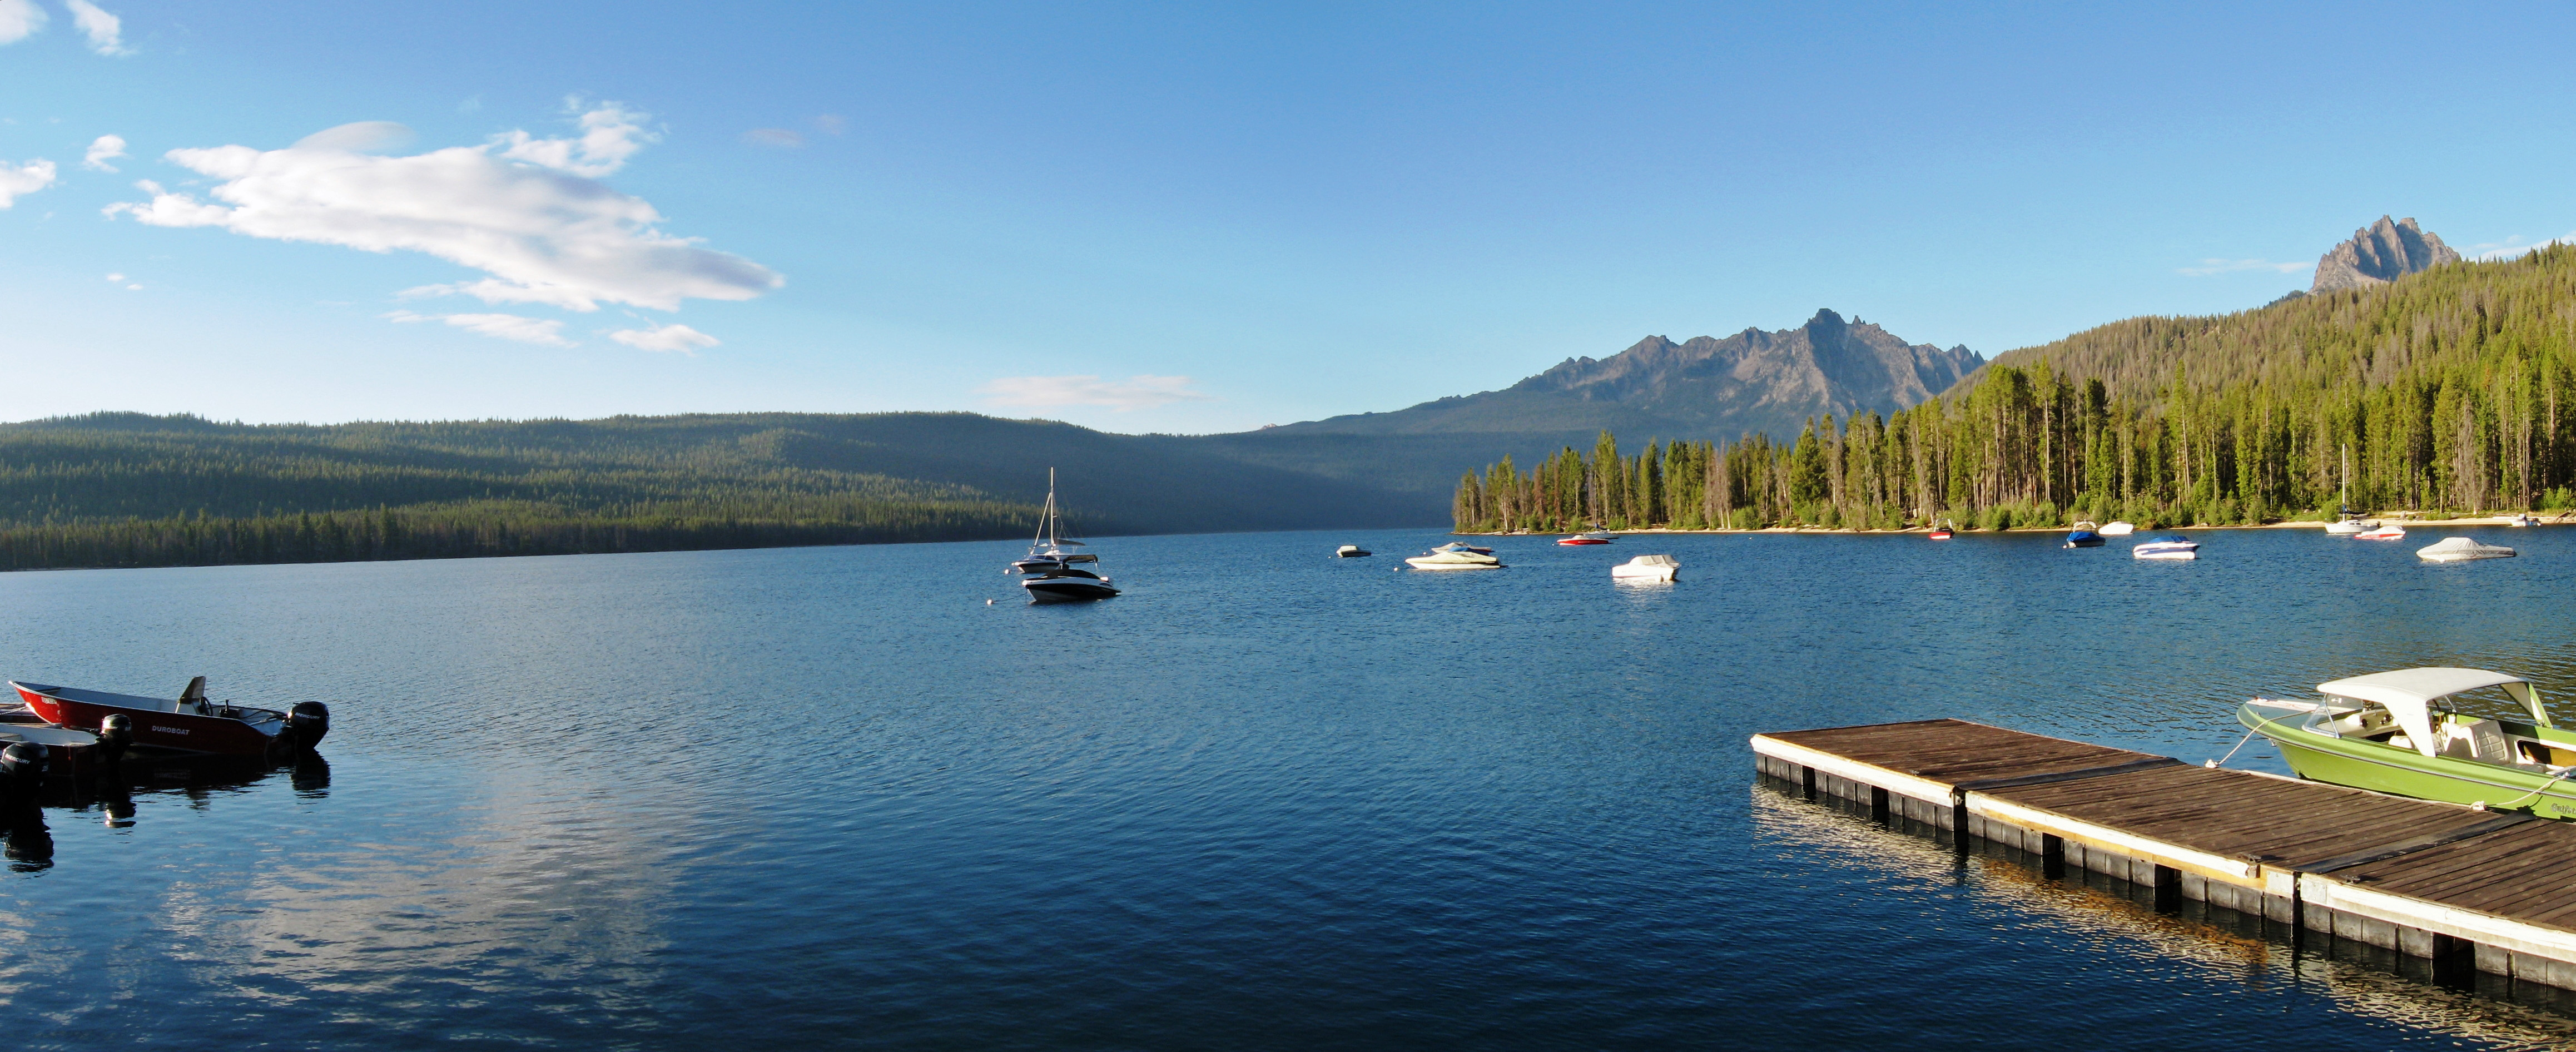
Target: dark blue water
[[830, 798]]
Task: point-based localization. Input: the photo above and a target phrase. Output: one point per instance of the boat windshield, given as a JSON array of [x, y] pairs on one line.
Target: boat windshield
[[2409, 695]]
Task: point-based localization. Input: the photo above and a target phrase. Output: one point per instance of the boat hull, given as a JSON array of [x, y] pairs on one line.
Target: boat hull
[[2084, 540], [1067, 591], [2405, 772], [1582, 540], [1438, 564], [181, 732]]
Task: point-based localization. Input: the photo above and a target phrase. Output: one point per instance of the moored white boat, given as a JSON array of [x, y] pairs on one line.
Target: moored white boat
[[1349, 551], [2462, 549], [1594, 537], [2118, 528], [2350, 527], [1054, 577], [2400, 732], [1647, 568], [2169, 546], [1454, 558], [2084, 535], [1067, 585], [2521, 519], [2388, 532]]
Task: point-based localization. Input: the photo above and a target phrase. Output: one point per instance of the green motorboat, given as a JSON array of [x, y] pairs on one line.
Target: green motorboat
[[2429, 733]]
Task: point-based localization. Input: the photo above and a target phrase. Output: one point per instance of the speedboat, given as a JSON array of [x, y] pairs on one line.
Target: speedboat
[[1067, 585], [2400, 732], [2389, 532], [2169, 546], [1646, 568], [2085, 535], [1349, 551], [1455, 557], [2521, 519], [187, 723], [1594, 537], [1461, 546], [2460, 550], [1939, 533], [2117, 528]]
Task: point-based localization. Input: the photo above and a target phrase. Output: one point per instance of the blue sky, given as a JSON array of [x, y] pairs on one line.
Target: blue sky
[[1177, 218]]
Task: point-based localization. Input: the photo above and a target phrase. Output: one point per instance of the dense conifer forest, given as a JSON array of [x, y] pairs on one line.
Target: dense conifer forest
[[2450, 390], [121, 489]]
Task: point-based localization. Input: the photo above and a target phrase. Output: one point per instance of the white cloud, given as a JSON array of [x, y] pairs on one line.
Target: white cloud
[[2208, 267], [2513, 246], [1135, 392], [20, 180], [609, 135], [106, 32], [545, 231], [499, 326], [106, 148], [679, 338], [113, 278], [359, 137], [19, 18], [786, 137], [832, 123]]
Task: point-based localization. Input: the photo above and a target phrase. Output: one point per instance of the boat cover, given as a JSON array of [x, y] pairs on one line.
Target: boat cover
[[2449, 548], [2408, 693], [1654, 560]]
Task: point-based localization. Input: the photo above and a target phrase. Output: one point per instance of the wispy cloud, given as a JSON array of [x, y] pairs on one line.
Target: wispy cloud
[[2514, 246], [2209, 267], [679, 338], [787, 138], [106, 32], [106, 148], [528, 212], [544, 331], [20, 180], [18, 18], [1135, 392]]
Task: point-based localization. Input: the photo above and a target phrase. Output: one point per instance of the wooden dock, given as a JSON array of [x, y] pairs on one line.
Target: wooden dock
[[2495, 890]]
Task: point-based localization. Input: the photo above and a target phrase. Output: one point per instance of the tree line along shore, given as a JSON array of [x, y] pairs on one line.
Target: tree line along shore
[[2446, 391]]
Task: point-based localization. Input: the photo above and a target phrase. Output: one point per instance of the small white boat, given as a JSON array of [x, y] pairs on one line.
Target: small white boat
[[2350, 527], [2521, 519], [2460, 550], [1646, 568], [1594, 537], [2389, 532], [1349, 551], [2117, 528], [2169, 546], [1454, 557]]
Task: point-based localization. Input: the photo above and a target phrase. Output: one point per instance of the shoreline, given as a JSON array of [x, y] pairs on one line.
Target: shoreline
[[2400, 518]]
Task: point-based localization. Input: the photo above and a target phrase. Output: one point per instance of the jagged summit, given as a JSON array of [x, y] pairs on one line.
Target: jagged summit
[[2380, 253], [1705, 387]]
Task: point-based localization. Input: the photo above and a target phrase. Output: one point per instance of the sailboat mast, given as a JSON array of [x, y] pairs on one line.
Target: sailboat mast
[[1050, 509]]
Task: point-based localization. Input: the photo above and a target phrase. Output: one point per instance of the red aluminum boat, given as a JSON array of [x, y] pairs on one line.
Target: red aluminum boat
[[187, 723]]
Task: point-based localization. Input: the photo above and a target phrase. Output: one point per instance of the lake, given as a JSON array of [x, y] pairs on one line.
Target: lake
[[829, 797]]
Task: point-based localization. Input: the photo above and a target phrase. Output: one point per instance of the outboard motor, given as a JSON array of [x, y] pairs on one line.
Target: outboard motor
[[306, 723], [115, 735], [22, 775]]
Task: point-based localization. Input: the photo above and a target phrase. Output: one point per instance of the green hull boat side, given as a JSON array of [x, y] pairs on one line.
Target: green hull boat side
[[2405, 772]]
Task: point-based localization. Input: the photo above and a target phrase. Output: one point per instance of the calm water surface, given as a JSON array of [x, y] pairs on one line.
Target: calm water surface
[[828, 797]]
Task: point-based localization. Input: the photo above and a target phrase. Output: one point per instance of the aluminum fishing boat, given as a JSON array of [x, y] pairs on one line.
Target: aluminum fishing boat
[[187, 723], [2430, 733]]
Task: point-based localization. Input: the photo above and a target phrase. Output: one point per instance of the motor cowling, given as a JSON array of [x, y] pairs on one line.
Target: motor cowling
[[115, 735], [23, 761], [312, 719]]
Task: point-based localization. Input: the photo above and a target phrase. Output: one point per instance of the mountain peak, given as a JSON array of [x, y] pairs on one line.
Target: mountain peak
[[2380, 253]]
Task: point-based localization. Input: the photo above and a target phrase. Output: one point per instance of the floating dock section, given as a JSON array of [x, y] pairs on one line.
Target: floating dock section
[[2431, 880]]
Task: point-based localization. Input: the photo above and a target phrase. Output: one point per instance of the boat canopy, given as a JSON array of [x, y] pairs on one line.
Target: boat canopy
[[2409, 693], [1654, 560]]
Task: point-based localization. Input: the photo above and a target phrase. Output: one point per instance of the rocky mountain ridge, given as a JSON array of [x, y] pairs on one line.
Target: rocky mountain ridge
[[2380, 253]]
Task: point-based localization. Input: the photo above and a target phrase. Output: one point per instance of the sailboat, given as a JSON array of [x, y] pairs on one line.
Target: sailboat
[[1053, 575], [2348, 523]]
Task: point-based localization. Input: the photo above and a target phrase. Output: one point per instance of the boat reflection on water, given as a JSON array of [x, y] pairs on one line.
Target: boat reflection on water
[[116, 800], [2097, 914]]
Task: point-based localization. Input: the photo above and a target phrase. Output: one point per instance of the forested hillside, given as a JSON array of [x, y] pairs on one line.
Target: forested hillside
[[2445, 389], [128, 490]]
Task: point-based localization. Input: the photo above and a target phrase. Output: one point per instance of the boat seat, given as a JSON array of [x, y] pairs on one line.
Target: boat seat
[[2475, 738]]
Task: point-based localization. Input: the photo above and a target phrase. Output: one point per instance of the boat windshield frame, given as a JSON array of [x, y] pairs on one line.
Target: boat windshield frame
[[2409, 694]]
